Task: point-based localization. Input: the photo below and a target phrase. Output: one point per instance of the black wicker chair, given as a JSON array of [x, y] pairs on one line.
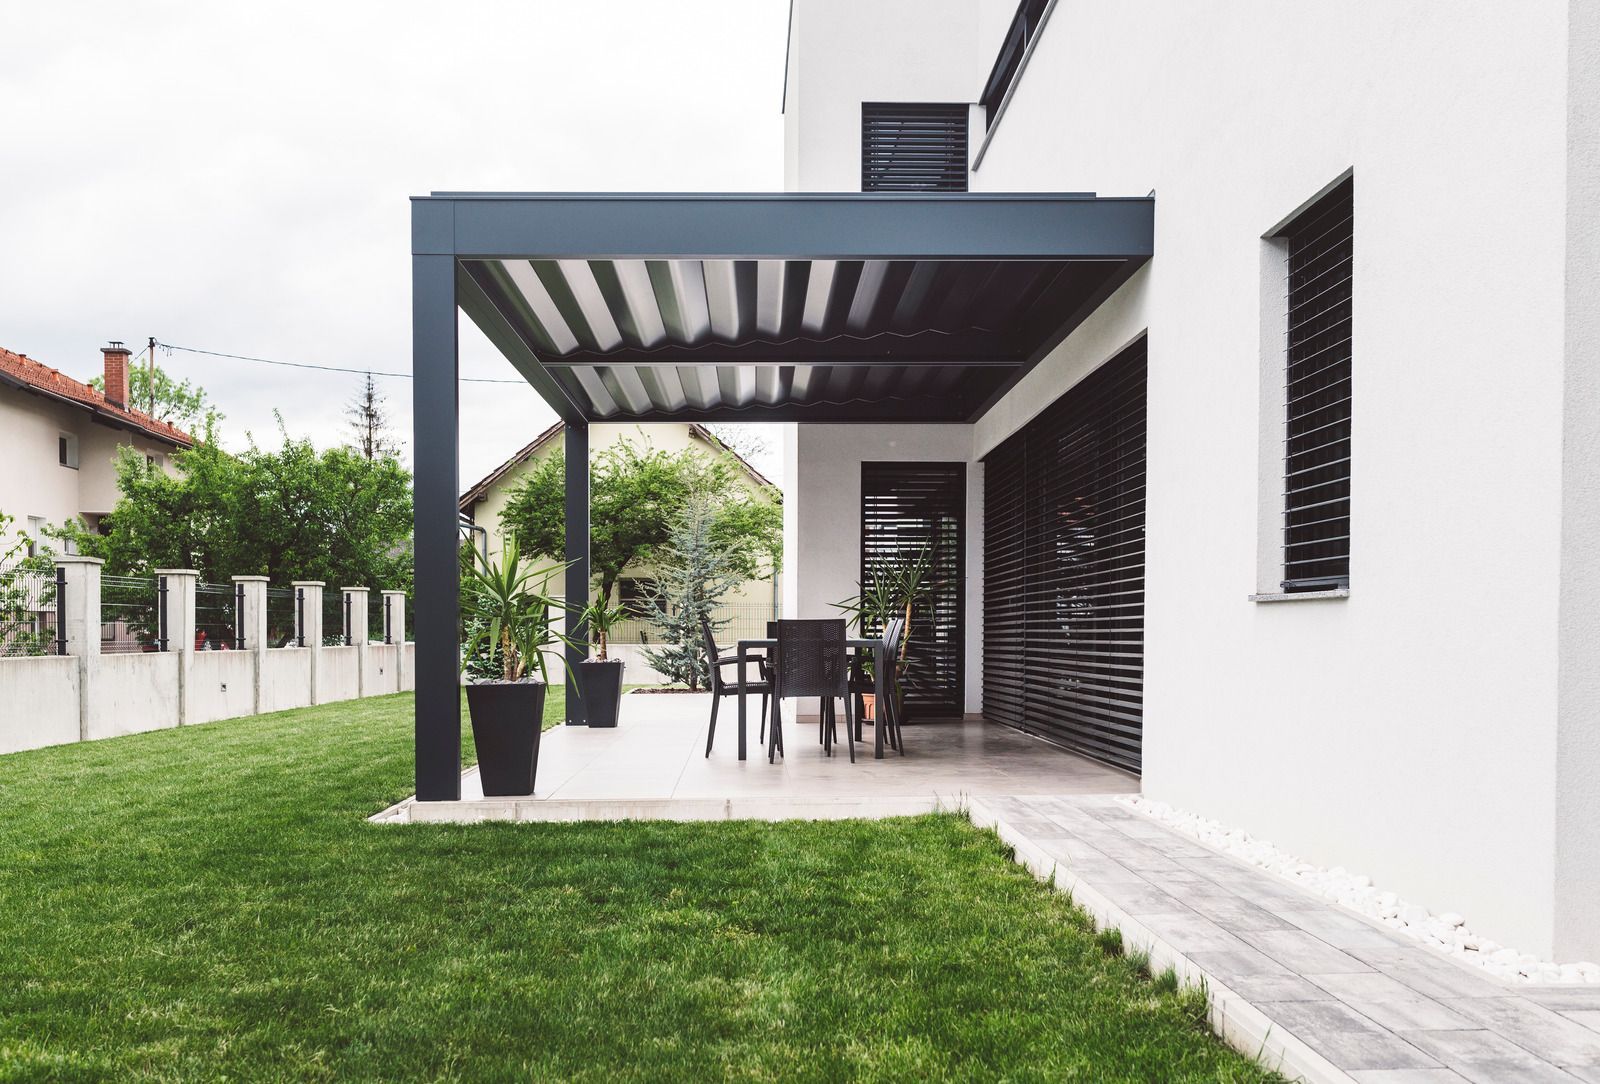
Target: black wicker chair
[[811, 660], [722, 685], [861, 683]]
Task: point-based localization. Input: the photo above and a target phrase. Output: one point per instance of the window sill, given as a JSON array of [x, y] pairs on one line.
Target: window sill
[[1302, 596]]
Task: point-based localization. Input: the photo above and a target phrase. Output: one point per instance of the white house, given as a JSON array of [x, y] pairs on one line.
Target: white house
[[60, 439], [1245, 356]]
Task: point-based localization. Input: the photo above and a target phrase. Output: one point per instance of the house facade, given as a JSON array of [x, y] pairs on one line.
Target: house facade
[[61, 438], [745, 609], [1357, 390]]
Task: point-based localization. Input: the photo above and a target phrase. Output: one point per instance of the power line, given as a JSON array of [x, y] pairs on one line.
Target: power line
[[169, 347]]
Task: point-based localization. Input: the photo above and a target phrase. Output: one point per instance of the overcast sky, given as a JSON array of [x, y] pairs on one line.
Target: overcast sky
[[235, 177]]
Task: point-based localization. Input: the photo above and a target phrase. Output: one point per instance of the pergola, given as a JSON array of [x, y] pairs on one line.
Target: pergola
[[873, 308]]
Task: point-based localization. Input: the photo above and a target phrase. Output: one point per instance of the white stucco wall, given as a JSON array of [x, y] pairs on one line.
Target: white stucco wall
[[1411, 730], [823, 494]]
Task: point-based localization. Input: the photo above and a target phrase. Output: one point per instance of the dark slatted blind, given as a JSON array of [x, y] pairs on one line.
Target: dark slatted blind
[[913, 147], [1316, 522], [1063, 568], [906, 507]]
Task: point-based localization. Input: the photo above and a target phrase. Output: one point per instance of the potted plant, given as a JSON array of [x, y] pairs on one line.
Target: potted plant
[[600, 678], [508, 620], [893, 588]]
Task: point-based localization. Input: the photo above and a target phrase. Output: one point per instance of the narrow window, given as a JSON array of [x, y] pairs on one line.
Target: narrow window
[[1316, 520], [67, 450], [1025, 24], [913, 147]]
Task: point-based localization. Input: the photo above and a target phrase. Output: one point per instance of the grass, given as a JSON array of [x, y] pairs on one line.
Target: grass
[[210, 904]]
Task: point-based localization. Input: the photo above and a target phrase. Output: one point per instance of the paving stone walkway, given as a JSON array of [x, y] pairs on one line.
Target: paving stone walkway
[[1320, 992]]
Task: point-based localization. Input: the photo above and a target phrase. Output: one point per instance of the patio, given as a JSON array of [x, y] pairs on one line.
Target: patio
[[653, 766]]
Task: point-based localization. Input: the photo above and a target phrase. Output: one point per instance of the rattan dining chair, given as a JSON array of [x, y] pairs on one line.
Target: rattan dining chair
[[811, 659], [722, 685], [886, 714]]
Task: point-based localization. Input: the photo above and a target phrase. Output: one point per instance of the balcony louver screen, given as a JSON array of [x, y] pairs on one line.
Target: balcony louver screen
[[1063, 568], [913, 147], [908, 509], [1316, 523]]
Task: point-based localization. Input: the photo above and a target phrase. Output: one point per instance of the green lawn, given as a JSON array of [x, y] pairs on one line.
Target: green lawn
[[211, 904]]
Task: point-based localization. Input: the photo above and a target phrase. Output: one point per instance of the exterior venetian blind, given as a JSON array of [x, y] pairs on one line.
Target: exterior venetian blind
[[913, 147], [905, 508], [1316, 520], [1063, 567]]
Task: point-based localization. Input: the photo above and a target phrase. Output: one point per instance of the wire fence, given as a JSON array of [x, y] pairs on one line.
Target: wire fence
[[332, 618], [384, 626], [732, 621], [130, 614], [216, 617], [27, 607], [281, 608]]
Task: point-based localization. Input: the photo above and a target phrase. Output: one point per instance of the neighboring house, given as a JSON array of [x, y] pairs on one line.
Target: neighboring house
[[60, 439], [1274, 464], [482, 504]]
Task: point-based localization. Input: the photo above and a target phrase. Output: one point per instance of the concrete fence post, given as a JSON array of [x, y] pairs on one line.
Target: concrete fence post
[[355, 607], [308, 625], [251, 594], [394, 632], [178, 625], [80, 624]]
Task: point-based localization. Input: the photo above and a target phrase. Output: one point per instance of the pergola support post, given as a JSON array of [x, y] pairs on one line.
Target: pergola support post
[[576, 452], [435, 416]]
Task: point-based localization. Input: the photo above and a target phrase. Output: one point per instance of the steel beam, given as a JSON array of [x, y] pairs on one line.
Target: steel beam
[[577, 553], [435, 419]]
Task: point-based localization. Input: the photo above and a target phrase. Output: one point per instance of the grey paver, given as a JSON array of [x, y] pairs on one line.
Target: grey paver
[[1487, 1058], [1407, 1076], [1303, 952], [1589, 1018], [1413, 1014], [1233, 912], [1192, 933], [1345, 1037], [1551, 1035]]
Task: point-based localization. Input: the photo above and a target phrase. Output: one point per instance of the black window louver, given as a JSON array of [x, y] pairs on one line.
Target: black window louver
[[1063, 568], [913, 147], [907, 508], [1316, 521]]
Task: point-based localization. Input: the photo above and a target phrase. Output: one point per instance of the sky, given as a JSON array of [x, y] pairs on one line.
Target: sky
[[235, 177]]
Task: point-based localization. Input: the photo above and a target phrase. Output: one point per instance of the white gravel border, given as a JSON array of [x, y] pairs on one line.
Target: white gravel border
[[1447, 931]]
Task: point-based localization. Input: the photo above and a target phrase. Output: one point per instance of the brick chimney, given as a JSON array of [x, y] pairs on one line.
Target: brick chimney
[[116, 373]]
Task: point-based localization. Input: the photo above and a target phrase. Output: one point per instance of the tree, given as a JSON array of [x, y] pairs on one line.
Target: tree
[[291, 514], [178, 403], [634, 498], [693, 575], [369, 423]]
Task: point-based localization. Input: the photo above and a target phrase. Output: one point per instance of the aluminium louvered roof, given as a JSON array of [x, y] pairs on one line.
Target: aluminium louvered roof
[[783, 307]]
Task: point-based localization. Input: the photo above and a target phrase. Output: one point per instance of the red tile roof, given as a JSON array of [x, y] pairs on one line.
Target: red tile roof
[[21, 369]]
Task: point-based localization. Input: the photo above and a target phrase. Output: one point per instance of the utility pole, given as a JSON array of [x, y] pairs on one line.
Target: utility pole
[[150, 376]]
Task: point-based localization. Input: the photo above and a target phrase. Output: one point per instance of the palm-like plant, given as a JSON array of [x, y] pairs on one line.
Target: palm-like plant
[[509, 615], [601, 619]]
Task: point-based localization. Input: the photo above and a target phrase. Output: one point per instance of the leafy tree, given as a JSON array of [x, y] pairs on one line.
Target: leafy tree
[[693, 576], [291, 514], [178, 403], [26, 586], [370, 428], [634, 498]]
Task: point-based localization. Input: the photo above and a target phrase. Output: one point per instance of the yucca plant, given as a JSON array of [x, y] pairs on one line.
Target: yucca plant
[[601, 619], [508, 612]]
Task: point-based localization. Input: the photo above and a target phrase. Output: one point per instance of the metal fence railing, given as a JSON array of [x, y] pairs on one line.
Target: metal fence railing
[[383, 626], [27, 608], [130, 614], [281, 616], [216, 616], [333, 618], [732, 620]]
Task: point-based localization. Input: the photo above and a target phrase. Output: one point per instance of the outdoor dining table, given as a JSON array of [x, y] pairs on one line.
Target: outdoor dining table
[[868, 643]]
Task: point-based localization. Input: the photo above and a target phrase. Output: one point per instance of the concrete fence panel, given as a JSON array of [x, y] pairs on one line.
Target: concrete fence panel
[[286, 678], [130, 694], [221, 685], [38, 702]]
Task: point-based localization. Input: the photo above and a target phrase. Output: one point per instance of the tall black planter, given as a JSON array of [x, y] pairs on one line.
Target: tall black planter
[[600, 684], [507, 719]]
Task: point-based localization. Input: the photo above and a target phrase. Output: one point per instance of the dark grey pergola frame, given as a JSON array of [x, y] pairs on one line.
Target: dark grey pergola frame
[[450, 228]]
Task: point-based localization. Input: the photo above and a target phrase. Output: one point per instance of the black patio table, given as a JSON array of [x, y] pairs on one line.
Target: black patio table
[[863, 643]]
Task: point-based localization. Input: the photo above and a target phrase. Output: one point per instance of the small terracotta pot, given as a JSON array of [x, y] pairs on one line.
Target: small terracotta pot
[[869, 707]]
